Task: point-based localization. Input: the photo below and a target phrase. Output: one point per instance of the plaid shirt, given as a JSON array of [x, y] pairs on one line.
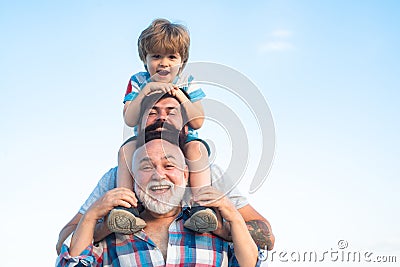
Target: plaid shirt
[[185, 248]]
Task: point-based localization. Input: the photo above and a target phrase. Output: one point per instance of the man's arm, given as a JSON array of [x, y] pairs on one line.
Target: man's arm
[[259, 227], [67, 230], [100, 232], [245, 250], [84, 232], [106, 183]]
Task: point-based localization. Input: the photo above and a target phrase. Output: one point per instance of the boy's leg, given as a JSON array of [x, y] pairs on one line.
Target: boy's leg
[[120, 219], [124, 174], [200, 219], [196, 155]]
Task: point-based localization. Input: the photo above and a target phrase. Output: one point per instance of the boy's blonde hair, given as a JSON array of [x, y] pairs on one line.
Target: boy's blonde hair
[[164, 36]]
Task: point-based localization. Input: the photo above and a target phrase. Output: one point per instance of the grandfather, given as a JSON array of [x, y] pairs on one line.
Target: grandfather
[[161, 176]]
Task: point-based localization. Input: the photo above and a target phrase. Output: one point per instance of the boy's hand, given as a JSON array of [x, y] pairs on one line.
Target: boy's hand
[[159, 87]]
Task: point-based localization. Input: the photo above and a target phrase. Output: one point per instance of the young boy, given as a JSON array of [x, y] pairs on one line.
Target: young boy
[[164, 49]]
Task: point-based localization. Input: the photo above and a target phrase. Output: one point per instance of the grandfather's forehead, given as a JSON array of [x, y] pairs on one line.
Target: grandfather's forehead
[[158, 149]]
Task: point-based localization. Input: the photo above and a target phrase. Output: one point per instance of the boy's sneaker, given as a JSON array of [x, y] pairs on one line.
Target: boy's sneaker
[[201, 219], [125, 221]]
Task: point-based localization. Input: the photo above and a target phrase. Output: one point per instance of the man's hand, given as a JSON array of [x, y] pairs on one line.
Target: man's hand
[[113, 198], [84, 233], [210, 197]]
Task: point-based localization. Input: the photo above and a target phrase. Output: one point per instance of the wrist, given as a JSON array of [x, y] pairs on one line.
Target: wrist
[[145, 90], [181, 97], [101, 231], [90, 217], [234, 218]]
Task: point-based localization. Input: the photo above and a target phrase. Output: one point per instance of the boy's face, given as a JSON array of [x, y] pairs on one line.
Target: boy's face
[[163, 67]]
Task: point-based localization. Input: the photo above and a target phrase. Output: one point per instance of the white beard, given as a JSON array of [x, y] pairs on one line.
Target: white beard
[[163, 203]]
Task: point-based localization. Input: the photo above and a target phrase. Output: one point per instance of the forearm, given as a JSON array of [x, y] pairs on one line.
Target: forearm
[[259, 227], [132, 110], [67, 230], [195, 114], [83, 235], [261, 234], [194, 110], [246, 251], [100, 232]]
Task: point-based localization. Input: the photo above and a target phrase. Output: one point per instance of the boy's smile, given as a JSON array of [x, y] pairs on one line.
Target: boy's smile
[[163, 67]]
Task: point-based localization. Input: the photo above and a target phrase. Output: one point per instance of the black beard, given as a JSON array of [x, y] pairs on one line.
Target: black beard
[[162, 130], [160, 126]]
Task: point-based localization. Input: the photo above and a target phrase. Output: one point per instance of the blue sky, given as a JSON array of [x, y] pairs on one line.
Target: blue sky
[[329, 71]]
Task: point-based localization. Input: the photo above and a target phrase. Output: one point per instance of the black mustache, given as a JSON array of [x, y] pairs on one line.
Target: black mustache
[[160, 124], [162, 130]]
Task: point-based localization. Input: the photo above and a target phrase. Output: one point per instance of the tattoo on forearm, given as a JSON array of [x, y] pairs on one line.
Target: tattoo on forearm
[[260, 233]]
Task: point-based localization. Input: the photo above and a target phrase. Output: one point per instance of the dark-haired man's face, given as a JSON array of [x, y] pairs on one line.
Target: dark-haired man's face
[[165, 110]]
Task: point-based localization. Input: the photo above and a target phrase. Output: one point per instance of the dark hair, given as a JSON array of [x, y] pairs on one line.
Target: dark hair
[[149, 101]]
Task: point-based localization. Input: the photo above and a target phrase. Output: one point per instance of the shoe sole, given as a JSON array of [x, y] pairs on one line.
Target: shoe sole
[[202, 221], [124, 222]]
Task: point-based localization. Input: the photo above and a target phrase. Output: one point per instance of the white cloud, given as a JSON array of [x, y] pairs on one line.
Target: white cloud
[[275, 46], [279, 41]]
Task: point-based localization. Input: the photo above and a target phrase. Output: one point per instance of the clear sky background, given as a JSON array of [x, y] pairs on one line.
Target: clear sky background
[[329, 71]]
